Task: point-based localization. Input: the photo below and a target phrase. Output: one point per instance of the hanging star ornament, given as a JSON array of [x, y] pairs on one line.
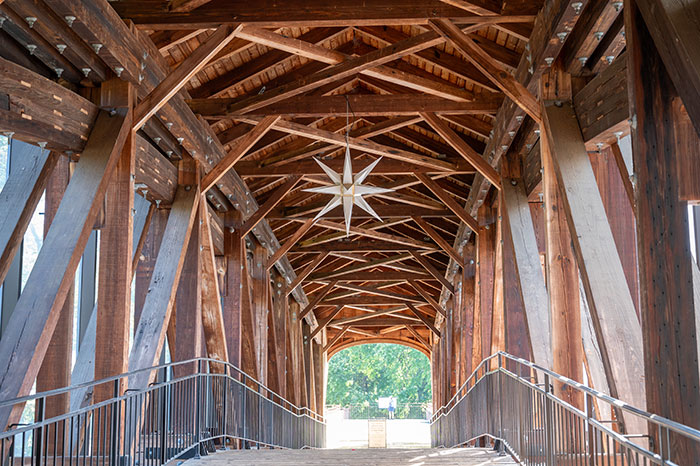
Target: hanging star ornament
[[348, 190]]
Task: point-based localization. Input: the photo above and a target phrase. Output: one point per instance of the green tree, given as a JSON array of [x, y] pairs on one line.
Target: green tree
[[367, 372]]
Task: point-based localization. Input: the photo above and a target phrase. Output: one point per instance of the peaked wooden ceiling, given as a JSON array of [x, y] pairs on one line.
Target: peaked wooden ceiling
[[439, 89]]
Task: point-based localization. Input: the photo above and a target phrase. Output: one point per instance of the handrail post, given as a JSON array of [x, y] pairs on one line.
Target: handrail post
[[39, 433], [548, 421], [225, 421], [501, 446], [163, 414], [197, 402], [114, 438], [589, 425]]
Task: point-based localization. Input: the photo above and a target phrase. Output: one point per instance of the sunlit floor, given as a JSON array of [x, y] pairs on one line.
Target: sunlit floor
[[359, 457]]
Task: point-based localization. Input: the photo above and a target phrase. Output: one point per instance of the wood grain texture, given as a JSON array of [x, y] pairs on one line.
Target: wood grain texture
[[518, 221], [20, 195], [36, 313], [150, 332], [665, 274], [612, 308]]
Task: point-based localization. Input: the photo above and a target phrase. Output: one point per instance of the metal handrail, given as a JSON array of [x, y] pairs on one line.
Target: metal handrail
[[536, 426], [189, 410], [170, 365]]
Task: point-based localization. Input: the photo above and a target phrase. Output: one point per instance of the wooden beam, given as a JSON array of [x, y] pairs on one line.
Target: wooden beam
[[377, 292], [36, 313], [362, 105], [393, 75], [614, 316], [336, 338], [487, 65], [333, 73], [150, 332], [431, 270], [182, 6], [317, 298], [327, 321], [383, 276], [357, 245], [430, 231], [479, 7], [665, 271], [423, 319], [316, 13], [270, 204], [464, 149], [242, 146], [430, 300], [212, 312], [310, 168], [291, 241], [112, 329], [29, 171], [528, 268], [449, 201], [365, 232], [307, 270], [176, 80], [357, 144]]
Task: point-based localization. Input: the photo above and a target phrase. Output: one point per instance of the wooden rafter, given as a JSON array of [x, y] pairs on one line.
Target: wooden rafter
[[175, 81], [449, 201], [235, 154], [424, 319], [435, 236], [270, 204], [487, 65], [464, 149], [317, 298]]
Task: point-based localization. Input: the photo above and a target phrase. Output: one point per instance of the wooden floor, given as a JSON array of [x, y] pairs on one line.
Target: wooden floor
[[378, 457]]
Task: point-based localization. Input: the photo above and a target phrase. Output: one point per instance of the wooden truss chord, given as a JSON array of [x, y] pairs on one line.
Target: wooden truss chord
[[176, 80], [449, 201], [317, 298], [424, 319], [464, 149], [435, 236], [362, 105], [487, 65], [234, 155]]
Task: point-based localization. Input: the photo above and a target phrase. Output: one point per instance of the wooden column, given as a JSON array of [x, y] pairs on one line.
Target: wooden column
[[188, 342], [56, 367], [260, 284], [498, 317], [468, 299], [116, 256], [665, 275], [233, 290], [563, 286], [486, 249], [292, 363], [280, 310], [309, 366], [612, 309], [319, 376]]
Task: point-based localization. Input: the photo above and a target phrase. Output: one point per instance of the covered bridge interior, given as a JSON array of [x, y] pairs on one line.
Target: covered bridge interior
[[523, 174]]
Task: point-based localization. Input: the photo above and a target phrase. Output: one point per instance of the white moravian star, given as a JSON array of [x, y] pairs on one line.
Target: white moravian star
[[348, 190]]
